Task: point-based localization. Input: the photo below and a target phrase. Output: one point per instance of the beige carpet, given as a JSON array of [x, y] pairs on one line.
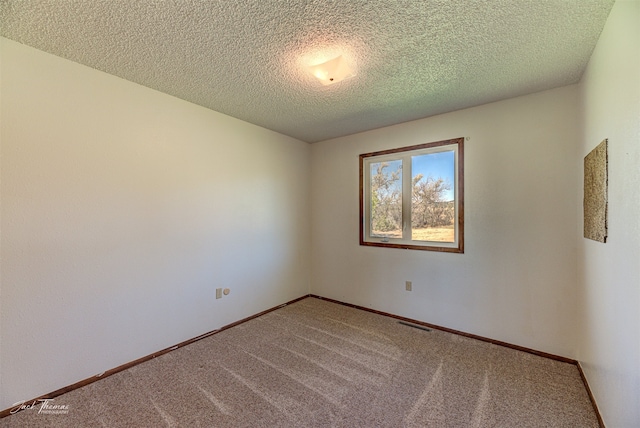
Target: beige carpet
[[320, 364]]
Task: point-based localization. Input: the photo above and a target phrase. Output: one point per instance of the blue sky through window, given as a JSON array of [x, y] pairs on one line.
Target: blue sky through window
[[436, 165]]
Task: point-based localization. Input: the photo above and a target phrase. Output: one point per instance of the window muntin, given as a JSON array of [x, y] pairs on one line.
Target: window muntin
[[412, 197]]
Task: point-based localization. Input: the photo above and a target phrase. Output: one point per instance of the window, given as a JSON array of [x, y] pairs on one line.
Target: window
[[412, 197]]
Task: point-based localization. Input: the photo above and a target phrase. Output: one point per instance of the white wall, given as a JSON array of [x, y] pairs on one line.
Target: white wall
[[516, 280], [609, 274], [122, 210]]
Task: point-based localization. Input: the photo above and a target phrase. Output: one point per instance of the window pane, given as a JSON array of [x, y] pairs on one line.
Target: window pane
[[386, 199], [432, 197]]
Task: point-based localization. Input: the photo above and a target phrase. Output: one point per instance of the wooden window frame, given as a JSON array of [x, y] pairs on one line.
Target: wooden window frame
[[457, 246]]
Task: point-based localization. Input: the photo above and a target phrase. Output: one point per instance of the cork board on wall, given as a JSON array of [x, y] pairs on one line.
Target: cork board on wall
[[595, 193]]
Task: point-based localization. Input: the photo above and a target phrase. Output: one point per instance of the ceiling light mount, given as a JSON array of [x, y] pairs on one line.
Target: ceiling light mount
[[332, 71]]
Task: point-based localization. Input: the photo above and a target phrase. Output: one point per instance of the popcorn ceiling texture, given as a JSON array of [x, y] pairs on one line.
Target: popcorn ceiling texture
[[413, 59]]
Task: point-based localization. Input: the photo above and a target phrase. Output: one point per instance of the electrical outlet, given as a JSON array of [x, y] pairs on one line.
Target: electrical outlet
[[407, 285], [218, 293]]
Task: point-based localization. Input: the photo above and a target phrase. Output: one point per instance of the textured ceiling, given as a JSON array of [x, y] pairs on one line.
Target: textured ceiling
[[413, 59]]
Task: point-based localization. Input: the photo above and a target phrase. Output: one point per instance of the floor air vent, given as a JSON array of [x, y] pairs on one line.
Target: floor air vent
[[419, 327]]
